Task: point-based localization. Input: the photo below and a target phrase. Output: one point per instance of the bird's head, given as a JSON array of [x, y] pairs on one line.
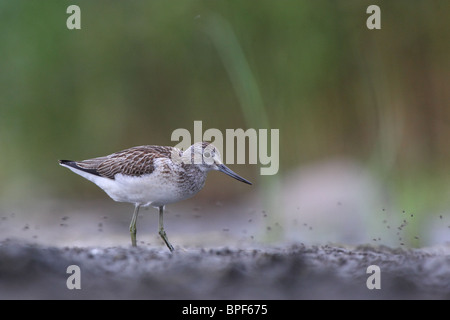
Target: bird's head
[[207, 157]]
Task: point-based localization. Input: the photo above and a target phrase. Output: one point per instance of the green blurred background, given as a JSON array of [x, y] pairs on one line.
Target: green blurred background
[[137, 70]]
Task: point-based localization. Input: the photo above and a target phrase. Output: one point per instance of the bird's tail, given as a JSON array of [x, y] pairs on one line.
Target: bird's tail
[[74, 164]]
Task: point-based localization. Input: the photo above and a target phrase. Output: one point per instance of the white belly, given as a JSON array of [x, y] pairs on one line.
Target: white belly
[[155, 189], [145, 190]]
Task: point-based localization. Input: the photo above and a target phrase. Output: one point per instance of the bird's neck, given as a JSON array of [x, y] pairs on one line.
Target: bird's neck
[[194, 177]]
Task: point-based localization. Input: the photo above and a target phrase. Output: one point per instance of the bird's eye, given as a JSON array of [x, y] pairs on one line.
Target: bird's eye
[[207, 154]]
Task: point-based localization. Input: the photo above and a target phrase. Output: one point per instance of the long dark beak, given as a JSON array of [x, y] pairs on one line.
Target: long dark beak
[[223, 168]]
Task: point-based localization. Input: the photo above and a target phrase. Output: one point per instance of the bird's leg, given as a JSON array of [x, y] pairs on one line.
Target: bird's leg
[[133, 225], [162, 233]]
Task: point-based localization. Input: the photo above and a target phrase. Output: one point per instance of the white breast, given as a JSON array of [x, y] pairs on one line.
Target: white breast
[[161, 187]]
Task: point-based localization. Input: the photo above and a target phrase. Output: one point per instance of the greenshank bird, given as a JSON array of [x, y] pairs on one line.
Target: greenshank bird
[[152, 176]]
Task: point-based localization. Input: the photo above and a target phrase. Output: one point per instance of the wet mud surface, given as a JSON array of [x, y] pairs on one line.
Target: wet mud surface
[[36, 271]]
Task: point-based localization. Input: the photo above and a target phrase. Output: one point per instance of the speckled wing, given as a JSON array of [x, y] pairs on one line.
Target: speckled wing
[[135, 161]]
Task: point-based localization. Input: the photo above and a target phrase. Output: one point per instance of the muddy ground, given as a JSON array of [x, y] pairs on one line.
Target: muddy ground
[[32, 271], [220, 256]]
